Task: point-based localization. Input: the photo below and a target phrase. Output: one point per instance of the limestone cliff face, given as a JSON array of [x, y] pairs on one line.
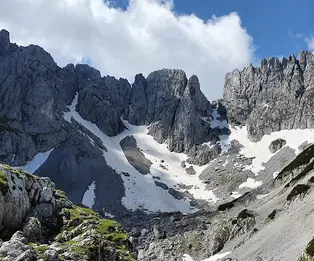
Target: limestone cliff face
[[174, 107], [35, 93], [277, 95], [39, 222]]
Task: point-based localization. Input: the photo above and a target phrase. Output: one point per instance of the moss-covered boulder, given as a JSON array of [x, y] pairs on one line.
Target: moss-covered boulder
[[309, 252], [39, 222]]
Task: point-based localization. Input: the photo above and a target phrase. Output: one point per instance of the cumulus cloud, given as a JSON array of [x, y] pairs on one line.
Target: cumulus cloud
[[308, 40], [310, 43], [147, 36]]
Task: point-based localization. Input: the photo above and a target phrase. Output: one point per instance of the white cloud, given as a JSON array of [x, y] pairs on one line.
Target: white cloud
[[147, 36], [308, 40], [310, 43]]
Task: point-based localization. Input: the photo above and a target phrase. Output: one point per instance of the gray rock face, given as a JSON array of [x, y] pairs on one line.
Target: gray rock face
[[135, 157], [4, 40], [138, 101], [75, 164], [32, 230], [204, 155], [190, 171], [119, 91], [92, 106], [173, 106], [30, 85], [276, 145], [17, 249], [275, 96], [21, 195]]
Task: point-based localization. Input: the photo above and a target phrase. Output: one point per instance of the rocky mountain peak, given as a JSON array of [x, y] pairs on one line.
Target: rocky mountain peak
[[4, 40], [277, 95]]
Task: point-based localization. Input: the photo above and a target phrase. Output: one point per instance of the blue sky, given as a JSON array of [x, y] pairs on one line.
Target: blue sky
[[278, 27]]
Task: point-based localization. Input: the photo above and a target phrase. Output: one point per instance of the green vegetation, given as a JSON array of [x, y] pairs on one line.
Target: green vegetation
[[112, 231], [3, 182], [60, 194], [18, 172], [105, 234], [310, 248], [40, 249], [309, 252]]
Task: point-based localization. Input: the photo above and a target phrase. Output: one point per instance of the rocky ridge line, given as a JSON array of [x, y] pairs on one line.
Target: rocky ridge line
[[277, 95]]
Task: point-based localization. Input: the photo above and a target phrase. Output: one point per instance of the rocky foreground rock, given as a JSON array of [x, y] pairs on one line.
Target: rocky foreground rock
[[38, 222]]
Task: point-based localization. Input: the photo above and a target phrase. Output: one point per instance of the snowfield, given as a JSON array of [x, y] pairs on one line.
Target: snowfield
[[36, 162], [141, 191], [89, 196], [212, 258], [251, 183], [260, 151]]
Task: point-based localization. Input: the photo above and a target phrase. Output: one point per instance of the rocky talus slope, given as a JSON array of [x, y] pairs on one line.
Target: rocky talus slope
[[271, 223], [38, 222]]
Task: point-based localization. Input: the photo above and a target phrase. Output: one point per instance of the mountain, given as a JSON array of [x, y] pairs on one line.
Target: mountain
[[187, 178]]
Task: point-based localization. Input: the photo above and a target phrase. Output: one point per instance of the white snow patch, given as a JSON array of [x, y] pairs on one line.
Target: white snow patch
[[89, 195], [225, 163], [36, 162], [275, 175], [109, 215], [236, 194], [260, 149], [225, 143], [262, 196], [212, 258], [186, 257], [217, 256], [174, 174], [141, 191], [13, 157], [216, 123], [251, 183]]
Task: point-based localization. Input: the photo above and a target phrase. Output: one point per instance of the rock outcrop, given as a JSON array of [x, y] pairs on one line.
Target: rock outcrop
[[174, 107], [276, 145], [38, 222], [278, 95]]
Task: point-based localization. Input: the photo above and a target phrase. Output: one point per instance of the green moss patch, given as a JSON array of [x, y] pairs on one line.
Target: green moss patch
[[310, 248], [84, 222], [40, 249], [59, 194], [4, 187]]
